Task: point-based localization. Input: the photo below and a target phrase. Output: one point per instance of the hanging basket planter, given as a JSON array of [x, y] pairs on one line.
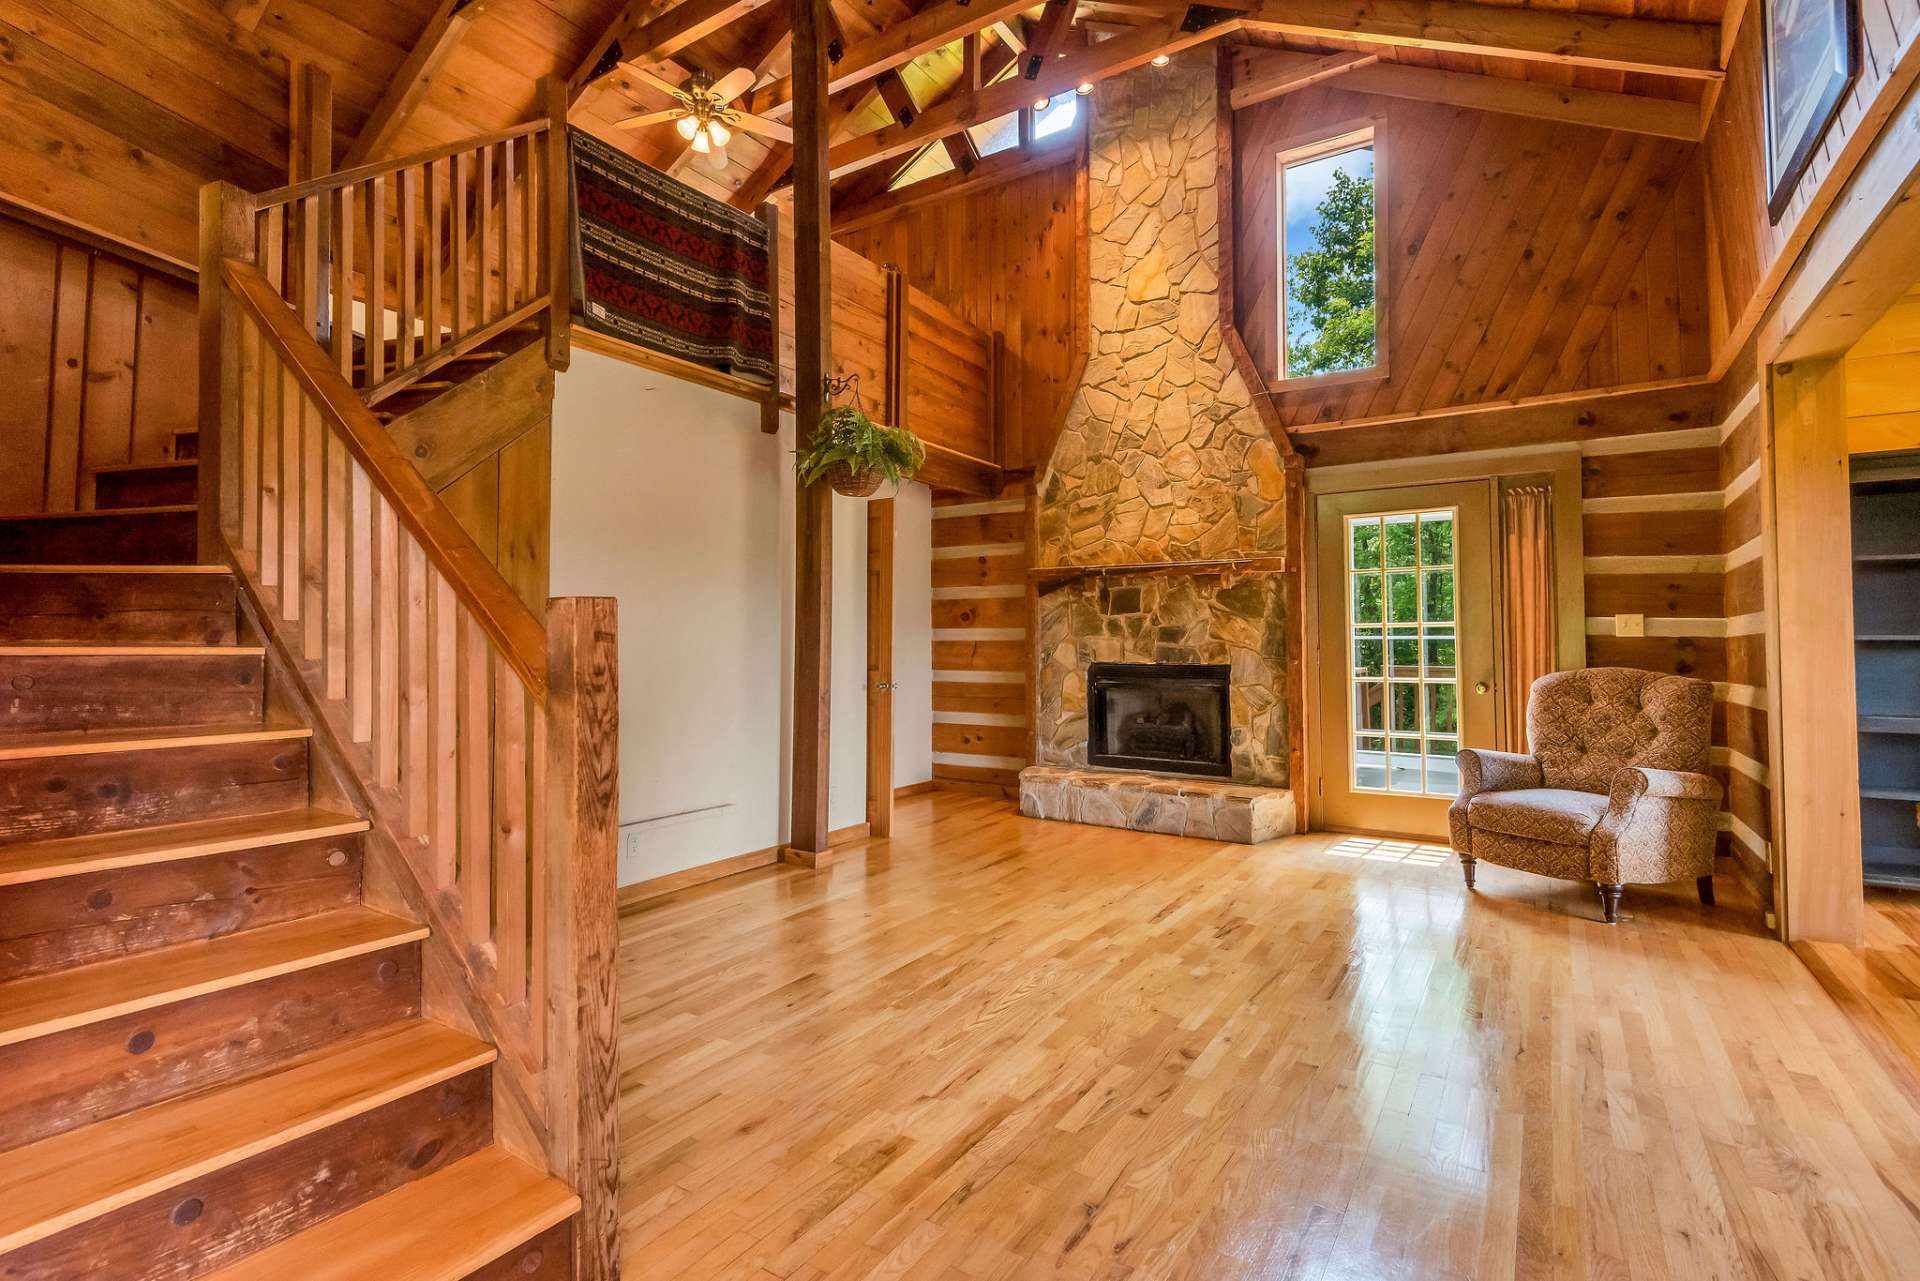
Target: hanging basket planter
[[853, 453]]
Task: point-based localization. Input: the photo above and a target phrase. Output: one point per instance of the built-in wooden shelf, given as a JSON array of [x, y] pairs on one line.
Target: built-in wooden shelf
[[1890, 793], [1887, 558], [1067, 573], [1889, 638], [1880, 723], [1886, 591]]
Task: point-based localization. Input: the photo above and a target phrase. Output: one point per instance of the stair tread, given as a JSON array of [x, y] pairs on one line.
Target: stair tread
[[84, 742], [43, 1004], [134, 847], [69, 568], [165, 464], [169, 509], [58, 1182], [133, 649], [440, 1228]]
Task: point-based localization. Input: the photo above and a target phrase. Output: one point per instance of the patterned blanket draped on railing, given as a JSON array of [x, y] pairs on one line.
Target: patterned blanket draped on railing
[[668, 268]]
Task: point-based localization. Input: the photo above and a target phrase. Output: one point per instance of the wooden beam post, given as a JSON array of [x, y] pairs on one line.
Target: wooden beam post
[[1816, 776], [226, 231], [813, 506], [880, 667], [579, 754], [559, 191]]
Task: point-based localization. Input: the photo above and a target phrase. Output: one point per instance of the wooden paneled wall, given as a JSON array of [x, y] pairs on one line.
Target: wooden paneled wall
[[97, 367], [1526, 257], [1005, 258], [1672, 532], [1883, 382], [981, 731], [1748, 255]]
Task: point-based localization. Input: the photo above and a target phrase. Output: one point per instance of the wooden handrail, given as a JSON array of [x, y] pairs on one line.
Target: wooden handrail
[[346, 177], [509, 624]]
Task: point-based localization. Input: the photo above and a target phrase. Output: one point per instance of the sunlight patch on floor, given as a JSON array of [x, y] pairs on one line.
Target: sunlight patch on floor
[[1381, 849]]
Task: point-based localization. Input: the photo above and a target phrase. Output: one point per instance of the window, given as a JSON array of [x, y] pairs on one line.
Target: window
[[1329, 260], [1406, 664], [1060, 113], [996, 135]]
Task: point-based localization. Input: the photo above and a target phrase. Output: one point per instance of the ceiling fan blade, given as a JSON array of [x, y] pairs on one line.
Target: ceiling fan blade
[[650, 118], [658, 81], [733, 84], [764, 127]]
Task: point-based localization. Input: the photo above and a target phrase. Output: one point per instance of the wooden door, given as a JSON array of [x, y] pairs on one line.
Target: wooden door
[[1406, 652]]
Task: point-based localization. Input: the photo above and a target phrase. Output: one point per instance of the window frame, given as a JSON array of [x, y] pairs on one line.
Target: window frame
[[1348, 135]]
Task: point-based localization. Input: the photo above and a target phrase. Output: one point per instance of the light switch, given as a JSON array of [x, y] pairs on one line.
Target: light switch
[[1629, 624]]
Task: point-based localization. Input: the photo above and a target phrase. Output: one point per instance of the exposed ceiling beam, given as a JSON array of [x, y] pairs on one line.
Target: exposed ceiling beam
[[443, 33], [1004, 166], [1690, 49], [1289, 75], [1629, 113], [938, 25], [1051, 38], [245, 14], [628, 38], [1097, 62]]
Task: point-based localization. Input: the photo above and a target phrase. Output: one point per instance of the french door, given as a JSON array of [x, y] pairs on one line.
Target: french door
[[1406, 652]]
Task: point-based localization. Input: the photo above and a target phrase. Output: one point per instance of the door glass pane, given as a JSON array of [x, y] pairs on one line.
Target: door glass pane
[[1401, 627]]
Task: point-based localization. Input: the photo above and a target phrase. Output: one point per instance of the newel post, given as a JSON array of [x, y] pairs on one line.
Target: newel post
[[581, 800], [226, 231], [558, 182]]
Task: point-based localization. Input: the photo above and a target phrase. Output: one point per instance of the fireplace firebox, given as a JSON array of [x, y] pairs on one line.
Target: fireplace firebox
[[1166, 717]]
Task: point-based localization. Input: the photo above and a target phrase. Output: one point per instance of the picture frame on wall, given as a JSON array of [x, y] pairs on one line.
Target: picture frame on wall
[[1812, 55]]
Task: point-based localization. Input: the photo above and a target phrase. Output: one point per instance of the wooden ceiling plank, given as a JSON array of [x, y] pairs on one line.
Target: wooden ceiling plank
[[1297, 75], [1098, 62], [663, 37], [411, 83], [1688, 49], [1004, 166], [932, 28]]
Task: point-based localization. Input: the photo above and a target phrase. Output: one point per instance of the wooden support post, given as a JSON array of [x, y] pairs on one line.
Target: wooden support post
[[309, 156], [770, 407], [880, 667], [558, 181], [1816, 776], [813, 508], [226, 231], [580, 756]]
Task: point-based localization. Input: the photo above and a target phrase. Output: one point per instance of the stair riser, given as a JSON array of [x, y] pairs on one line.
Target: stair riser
[[72, 692], [147, 487], [51, 925], [89, 1073], [208, 1222], [110, 791], [548, 1257], [160, 538], [118, 609]]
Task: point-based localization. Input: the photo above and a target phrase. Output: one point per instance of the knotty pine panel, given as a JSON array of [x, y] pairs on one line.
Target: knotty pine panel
[[1701, 657], [1006, 259], [98, 360], [975, 531], [1681, 533], [989, 611], [1519, 250], [1655, 595], [979, 571], [979, 698], [968, 753], [1653, 471], [949, 378]]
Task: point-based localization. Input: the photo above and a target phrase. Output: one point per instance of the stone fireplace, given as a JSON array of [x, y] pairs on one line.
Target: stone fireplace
[[1162, 517]]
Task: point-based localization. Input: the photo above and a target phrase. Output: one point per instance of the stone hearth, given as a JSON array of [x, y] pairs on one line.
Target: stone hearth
[[1203, 808]]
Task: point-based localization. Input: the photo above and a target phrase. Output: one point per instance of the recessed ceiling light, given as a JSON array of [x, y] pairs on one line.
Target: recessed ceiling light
[[1161, 59], [1084, 88], [1040, 104]]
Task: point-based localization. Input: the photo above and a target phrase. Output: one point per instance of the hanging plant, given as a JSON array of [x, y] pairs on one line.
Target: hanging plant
[[852, 452]]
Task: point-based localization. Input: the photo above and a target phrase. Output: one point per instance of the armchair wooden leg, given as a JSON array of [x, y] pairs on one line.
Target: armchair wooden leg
[[1466, 867], [1706, 889], [1610, 903]]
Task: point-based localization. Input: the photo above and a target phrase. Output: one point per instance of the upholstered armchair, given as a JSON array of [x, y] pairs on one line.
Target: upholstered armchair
[[1615, 791]]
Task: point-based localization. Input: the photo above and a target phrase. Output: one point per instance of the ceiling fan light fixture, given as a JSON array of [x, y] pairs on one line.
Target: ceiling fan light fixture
[[720, 134], [700, 142], [687, 126]]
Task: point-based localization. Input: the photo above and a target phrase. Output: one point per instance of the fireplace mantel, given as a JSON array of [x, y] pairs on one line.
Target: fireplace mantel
[[1055, 575]]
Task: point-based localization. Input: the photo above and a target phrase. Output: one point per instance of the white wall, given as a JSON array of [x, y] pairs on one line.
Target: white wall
[[913, 635], [667, 497]]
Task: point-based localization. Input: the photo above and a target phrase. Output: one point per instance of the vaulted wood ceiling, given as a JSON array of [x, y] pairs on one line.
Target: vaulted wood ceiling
[[119, 109]]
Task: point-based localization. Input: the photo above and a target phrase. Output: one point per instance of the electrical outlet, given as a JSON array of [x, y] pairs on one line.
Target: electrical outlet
[[1629, 624]]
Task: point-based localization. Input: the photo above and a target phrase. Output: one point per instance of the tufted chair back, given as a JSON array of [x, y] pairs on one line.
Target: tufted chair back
[[1586, 725]]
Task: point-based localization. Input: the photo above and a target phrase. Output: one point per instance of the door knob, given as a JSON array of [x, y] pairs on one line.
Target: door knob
[[1481, 687]]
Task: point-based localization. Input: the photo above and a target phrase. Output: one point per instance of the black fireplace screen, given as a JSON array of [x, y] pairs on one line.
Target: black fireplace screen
[[1169, 717]]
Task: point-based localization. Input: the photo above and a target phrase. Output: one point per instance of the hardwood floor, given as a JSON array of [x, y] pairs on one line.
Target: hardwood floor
[[1002, 1048], [1878, 985]]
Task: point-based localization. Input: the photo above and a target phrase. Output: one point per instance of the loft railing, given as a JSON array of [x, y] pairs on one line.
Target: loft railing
[[480, 738]]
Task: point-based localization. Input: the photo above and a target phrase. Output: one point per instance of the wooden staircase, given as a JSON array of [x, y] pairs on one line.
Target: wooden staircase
[[220, 1060]]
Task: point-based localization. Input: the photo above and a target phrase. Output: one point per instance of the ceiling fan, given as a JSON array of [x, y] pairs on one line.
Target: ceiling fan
[[704, 113]]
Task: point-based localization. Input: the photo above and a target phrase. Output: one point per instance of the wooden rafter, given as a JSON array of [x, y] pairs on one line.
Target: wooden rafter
[[938, 25], [1688, 49], [1051, 38], [1098, 62], [1255, 71], [1290, 75], [442, 34], [630, 38], [1003, 166]]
